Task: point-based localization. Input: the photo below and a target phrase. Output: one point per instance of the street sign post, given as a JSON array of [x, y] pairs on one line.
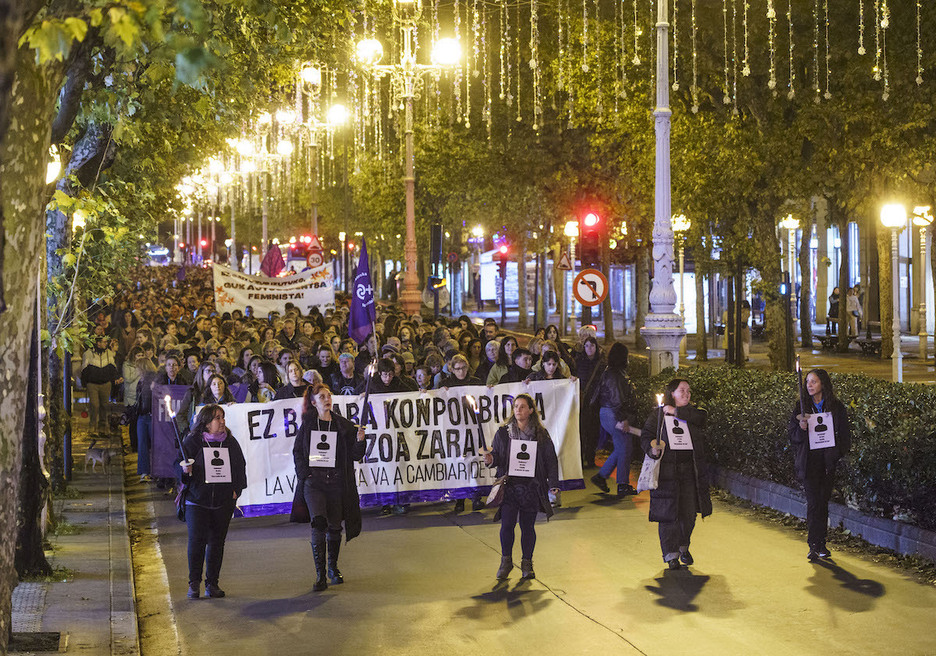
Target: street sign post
[[590, 287], [316, 256]]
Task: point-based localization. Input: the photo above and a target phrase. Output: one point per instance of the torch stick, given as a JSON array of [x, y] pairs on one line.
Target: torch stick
[[799, 373], [175, 429], [369, 371], [658, 443]]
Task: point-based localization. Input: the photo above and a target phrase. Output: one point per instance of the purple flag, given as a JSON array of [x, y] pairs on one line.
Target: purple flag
[[363, 310], [164, 452], [272, 262]]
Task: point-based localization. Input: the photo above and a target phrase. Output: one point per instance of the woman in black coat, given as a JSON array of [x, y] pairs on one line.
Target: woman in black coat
[[211, 493], [524, 496], [328, 490], [815, 464], [683, 490]]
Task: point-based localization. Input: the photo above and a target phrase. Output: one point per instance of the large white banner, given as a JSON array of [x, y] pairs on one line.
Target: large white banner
[[235, 291], [421, 446]]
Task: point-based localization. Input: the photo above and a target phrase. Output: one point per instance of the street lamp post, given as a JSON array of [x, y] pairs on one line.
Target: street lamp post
[[681, 225], [406, 78], [790, 224], [922, 218], [894, 216], [571, 231]]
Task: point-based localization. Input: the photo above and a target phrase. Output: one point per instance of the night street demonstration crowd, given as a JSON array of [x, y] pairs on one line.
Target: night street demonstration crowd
[[164, 330]]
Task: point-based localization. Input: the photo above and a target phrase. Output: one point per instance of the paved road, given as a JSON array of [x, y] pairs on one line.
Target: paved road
[[424, 583]]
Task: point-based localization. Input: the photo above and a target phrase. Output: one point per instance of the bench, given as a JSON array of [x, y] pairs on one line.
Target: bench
[[869, 346], [829, 342]]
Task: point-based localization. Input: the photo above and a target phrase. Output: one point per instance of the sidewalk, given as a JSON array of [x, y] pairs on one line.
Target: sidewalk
[[93, 608], [853, 362]]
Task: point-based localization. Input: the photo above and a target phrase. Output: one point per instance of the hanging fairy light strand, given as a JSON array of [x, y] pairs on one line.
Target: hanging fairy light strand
[[877, 41], [535, 67], [517, 60], [695, 63], [636, 59], [675, 85], [772, 44], [791, 93], [599, 106], [734, 57], [919, 77], [726, 98], [828, 58], [459, 109], [816, 88], [861, 28], [746, 64], [885, 24], [584, 36]]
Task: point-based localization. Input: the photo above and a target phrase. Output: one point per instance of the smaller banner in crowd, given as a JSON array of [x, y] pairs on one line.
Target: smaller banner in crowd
[[421, 446], [310, 288], [164, 451]]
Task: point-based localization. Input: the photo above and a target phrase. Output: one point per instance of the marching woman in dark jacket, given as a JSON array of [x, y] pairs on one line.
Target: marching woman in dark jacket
[[524, 496], [614, 397], [815, 462], [212, 488], [683, 490], [325, 479]]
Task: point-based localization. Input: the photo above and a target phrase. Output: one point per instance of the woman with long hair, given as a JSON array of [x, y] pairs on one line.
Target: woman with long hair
[[295, 386], [816, 456], [197, 390], [326, 447], [613, 395], [683, 488], [217, 392], [264, 388], [214, 473], [503, 362], [524, 496]]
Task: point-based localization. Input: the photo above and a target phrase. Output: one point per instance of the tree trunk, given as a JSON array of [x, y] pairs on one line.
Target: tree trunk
[[841, 220], [523, 309], [23, 156], [643, 296], [775, 326], [606, 304], [30, 558], [558, 283], [701, 337], [885, 293], [806, 291]]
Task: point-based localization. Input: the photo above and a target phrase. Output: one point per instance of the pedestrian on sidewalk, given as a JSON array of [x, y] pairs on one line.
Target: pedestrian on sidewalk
[[524, 496], [833, 314], [614, 397], [98, 372], [853, 306], [815, 461], [212, 489], [325, 482], [683, 489]]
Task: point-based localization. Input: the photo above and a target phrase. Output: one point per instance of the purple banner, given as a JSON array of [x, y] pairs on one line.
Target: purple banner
[[164, 454]]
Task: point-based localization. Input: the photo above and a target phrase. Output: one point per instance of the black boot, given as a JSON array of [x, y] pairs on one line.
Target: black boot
[[318, 556], [334, 547]]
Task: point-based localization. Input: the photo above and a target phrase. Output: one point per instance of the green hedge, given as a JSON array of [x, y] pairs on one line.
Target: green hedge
[[891, 470]]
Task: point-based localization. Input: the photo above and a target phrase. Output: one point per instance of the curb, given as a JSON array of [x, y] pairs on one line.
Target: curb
[[897, 536]]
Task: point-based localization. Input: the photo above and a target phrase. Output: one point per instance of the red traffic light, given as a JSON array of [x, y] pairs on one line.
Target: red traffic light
[[591, 220], [181, 244], [503, 249], [204, 242]]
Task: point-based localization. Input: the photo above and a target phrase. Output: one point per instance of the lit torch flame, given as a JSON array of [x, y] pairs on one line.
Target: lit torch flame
[[168, 400], [471, 402], [797, 364], [659, 399]]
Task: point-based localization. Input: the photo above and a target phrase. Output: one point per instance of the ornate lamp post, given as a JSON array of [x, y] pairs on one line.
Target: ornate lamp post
[[790, 224], [662, 328], [894, 216], [681, 225], [406, 77], [922, 218]]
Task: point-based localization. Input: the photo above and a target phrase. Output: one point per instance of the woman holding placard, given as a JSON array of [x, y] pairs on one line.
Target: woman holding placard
[[820, 436], [214, 472], [524, 452], [326, 447], [675, 433]]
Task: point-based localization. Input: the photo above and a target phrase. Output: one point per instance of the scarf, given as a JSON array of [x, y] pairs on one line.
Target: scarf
[[215, 437]]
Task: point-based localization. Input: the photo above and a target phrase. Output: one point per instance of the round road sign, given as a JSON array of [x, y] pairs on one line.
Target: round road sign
[[590, 287], [315, 259]]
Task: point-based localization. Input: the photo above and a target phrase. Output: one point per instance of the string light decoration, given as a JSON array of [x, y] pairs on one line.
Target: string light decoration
[[734, 57], [726, 99], [636, 59], [504, 81], [877, 41], [772, 45], [828, 58], [675, 85], [518, 60], [460, 110], [816, 88], [885, 24], [861, 28], [919, 77], [584, 36], [791, 93], [534, 66], [746, 65], [695, 63]]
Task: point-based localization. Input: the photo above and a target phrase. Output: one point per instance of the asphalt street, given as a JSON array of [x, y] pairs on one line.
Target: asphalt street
[[424, 583]]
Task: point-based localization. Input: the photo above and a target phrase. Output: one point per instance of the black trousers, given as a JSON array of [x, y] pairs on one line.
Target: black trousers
[[677, 534], [207, 529], [324, 500], [818, 487]]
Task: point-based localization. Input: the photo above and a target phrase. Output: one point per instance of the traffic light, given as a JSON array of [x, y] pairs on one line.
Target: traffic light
[[503, 252], [590, 240]]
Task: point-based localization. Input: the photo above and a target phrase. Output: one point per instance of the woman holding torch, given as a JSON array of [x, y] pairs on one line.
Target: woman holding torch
[[525, 453]]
